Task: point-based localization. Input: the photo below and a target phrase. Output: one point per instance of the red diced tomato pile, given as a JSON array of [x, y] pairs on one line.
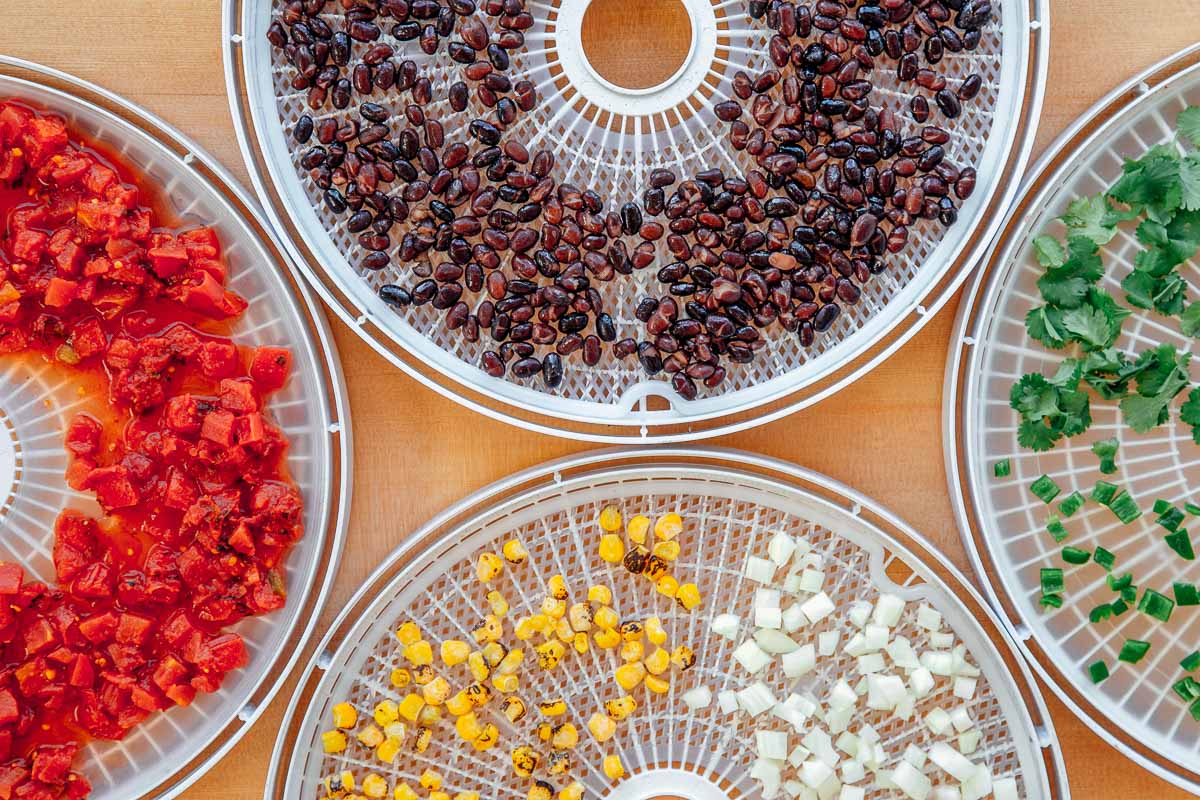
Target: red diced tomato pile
[[198, 509]]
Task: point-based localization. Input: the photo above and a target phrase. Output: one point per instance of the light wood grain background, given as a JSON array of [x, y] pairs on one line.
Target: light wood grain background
[[416, 453]]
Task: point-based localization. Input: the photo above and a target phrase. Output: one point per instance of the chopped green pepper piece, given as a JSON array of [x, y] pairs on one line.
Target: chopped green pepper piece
[[1129, 594], [1186, 594], [1100, 613], [1074, 555], [1045, 488], [1191, 661], [1181, 543], [1002, 469], [1051, 600], [1117, 584], [1194, 708], [1161, 506], [1125, 507], [1071, 504], [1133, 651], [1097, 671], [1104, 558], [1118, 607], [1192, 509], [1106, 451], [1056, 528], [1104, 492], [1156, 605], [1186, 688], [1052, 580], [1170, 518]]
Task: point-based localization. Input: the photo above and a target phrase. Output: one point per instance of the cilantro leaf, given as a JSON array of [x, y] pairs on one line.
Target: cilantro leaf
[[1050, 408], [1189, 180], [1164, 376], [1044, 323], [1189, 412], [1089, 217], [1189, 320], [1090, 326], [1049, 251], [1151, 184], [1188, 123], [1067, 285]]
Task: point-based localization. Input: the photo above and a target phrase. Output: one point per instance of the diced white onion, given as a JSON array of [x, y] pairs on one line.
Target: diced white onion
[[774, 642], [853, 771], [811, 580], [915, 756], [727, 700], [751, 657], [813, 773], [756, 698], [769, 775], [938, 721], [771, 744], [964, 688], [759, 569], [911, 781], [827, 642], [888, 609], [968, 742], [921, 682], [725, 625], [698, 698], [842, 696], [852, 793], [817, 607], [961, 719], [793, 618], [929, 618], [768, 618], [1005, 789], [780, 548], [952, 762]]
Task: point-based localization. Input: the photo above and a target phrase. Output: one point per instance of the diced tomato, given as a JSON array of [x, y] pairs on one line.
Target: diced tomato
[[51, 763], [218, 359], [270, 367], [88, 338], [133, 629], [39, 636], [167, 260], [218, 427], [10, 712], [222, 653], [83, 672], [11, 578], [83, 435], [99, 628], [12, 775], [95, 581], [238, 396], [112, 487]]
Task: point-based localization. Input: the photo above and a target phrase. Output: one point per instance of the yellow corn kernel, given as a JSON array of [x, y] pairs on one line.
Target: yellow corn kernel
[[553, 607], [388, 750], [436, 691], [333, 741], [559, 762], [668, 526], [397, 730], [564, 737], [493, 653], [637, 528], [610, 519], [612, 549], [514, 552], [632, 651], [479, 694], [347, 780], [562, 630], [455, 652], [497, 603], [490, 631], [467, 726], [630, 675], [540, 790], [370, 735], [667, 585], [549, 654], [487, 740], [439, 796], [423, 738], [506, 684], [600, 595], [374, 786], [401, 677], [467, 796], [511, 662], [655, 567], [524, 629], [489, 567], [431, 780], [478, 666], [459, 704], [632, 631], [386, 713], [513, 709], [423, 674], [419, 653], [405, 792], [655, 631], [344, 715], [635, 559], [688, 596], [606, 618], [683, 658], [411, 706], [553, 708], [524, 761], [580, 616], [408, 633], [607, 638], [429, 716], [602, 727], [621, 707], [658, 662], [657, 685], [613, 768], [543, 731], [556, 587], [667, 551], [580, 643]]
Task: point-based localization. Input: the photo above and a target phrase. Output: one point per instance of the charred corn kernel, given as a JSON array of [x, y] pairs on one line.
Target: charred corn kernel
[[655, 631], [635, 559], [436, 691], [621, 707], [630, 675], [610, 519], [467, 726], [612, 549], [344, 715], [632, 651], [607, 638], [405, 792], [347, 780], [667, 585], [556, 587], [478, 666], [506, 684], [562, 630], [423, 674], [667, 551], [497, 603], [370, 735], [401, 677], [543, 731], [656, 684], [386, 713], [374, 786], [524, 761], [524, 629], [490, 631], [632, 631], [429, 716], [388, 750], [683, 658], [559, 762], [513, 708], [455, 652], [600, 595], [606, 618], [493, 653], [423, 738], [511, 662], [333, 741], [514, 552], [602, 727], [688, 596], [431, 780], [459, 704], [540, 790], [580, 643], [668, 526], [580, 616], [419, 653], [489, 567], [637, 528], [549, 654], [411, 706], [658, 662], [487, 740], [553, 607], [613, 768], [479, 694], [408, 633], [564, 737], [553, 708], [655, 567]]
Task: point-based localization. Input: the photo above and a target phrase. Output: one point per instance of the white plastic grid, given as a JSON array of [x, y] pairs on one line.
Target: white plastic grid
[[728, 515], [615, 153], [1136, 700]]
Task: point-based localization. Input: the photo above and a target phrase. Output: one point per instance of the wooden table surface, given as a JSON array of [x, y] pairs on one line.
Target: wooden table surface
[[416, 453]]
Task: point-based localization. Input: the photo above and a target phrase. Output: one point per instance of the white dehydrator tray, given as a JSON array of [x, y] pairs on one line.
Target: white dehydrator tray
[[168, 752], [731, 503], [610, 138], [1003, 524]]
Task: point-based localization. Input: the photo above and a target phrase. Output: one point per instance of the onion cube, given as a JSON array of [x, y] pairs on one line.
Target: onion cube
[[697, 698], [964, 688], [1005, 789], [827, 642], [813, 773], [961, 719], [852, 793], [911, 781], [780, 548], [938, 721], [727, 701], [888, 609], [773, 641], [768, 618], [800, 661], [751, 657], [771, 744], [725, 625], [817, 607], [793, 618], [759, 569], [811, 580], [929, 618]]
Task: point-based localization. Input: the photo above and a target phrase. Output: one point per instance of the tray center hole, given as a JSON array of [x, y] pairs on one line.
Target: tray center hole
[[636, 45], [10, 461]]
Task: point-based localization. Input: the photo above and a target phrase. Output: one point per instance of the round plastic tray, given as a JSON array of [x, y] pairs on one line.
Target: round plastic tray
[[170, 750], [737, 501], [610, 138], [1003, 524]]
